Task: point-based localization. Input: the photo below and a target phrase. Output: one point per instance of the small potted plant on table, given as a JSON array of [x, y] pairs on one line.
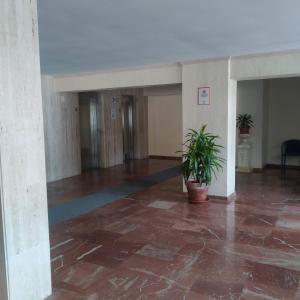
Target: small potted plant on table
[[244, 122], [201, 160]]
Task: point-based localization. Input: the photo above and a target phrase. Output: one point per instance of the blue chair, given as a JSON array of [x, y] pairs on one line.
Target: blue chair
[[289, 148]]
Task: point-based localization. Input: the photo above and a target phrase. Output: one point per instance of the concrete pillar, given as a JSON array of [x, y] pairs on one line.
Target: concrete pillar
[[219, 115], [24, 237]]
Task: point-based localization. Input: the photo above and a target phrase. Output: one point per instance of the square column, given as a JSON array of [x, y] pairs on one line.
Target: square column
[[219, 115], [24, 238]]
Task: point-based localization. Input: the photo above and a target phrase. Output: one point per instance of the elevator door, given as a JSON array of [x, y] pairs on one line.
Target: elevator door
[[128, 126], [88, 105]]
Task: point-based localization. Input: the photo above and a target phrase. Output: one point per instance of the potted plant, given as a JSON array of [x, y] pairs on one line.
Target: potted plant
[[201, 160], [244, 122]]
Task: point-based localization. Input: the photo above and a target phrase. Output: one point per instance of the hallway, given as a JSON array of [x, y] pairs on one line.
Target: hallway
[[93, 181], [79, 93], [74, 196], [154, 245]]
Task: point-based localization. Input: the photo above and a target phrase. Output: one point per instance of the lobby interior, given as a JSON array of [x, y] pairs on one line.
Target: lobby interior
[[93, 136]]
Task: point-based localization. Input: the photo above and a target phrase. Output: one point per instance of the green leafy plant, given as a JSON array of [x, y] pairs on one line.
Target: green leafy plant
[[244, 121], [201, 159]]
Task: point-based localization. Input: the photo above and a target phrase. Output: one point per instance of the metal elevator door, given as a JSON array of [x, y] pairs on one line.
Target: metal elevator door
[[88, 107], [128, 127]]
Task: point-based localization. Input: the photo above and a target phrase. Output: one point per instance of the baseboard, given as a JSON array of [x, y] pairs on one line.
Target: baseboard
[[229, 198], [258, 170], [288, 167], [165, 157]]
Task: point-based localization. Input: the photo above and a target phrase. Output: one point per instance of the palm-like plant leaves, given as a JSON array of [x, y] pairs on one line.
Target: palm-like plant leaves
[[244, 121], [202, 158]]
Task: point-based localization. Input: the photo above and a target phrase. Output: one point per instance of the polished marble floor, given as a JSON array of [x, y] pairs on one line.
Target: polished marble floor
[[94, 181], [154, 245]]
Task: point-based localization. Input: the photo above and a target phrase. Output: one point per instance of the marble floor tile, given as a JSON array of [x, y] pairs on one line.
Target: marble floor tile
[[80, 275], [218, 290], [159, 251], [260, 220], [162, 204], [289, 222], [71, 252], [284, 239], [94, 181], [124, 283], [64, 291], [114, 253], [143, 247]]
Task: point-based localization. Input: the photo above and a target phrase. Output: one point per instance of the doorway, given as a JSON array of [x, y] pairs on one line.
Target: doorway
[[128, 127], [89, 121], [273, 105]]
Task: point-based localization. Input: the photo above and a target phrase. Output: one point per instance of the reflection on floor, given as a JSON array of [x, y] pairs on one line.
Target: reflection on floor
[[153, 245], [95, 181], [86, 204]]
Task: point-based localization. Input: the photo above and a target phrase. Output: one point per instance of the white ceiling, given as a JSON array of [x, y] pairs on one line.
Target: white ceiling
[[88, 35]]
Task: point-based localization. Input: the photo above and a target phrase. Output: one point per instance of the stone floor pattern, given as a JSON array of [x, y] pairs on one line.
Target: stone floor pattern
[[96, 180], [154, 245]]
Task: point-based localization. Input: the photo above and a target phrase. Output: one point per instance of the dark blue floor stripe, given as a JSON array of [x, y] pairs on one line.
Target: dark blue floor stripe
[[85, 204]]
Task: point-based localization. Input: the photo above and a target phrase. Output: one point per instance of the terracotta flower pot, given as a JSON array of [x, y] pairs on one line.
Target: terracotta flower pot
[[197, 193], [244, 130]]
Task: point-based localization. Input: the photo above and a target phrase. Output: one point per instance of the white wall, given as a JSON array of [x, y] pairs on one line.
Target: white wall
[[284, 121], [165, 125], [135, 77], [250, 101], [219, 115], [246, 67], [62, 133], [163, 90], [264, 66]]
